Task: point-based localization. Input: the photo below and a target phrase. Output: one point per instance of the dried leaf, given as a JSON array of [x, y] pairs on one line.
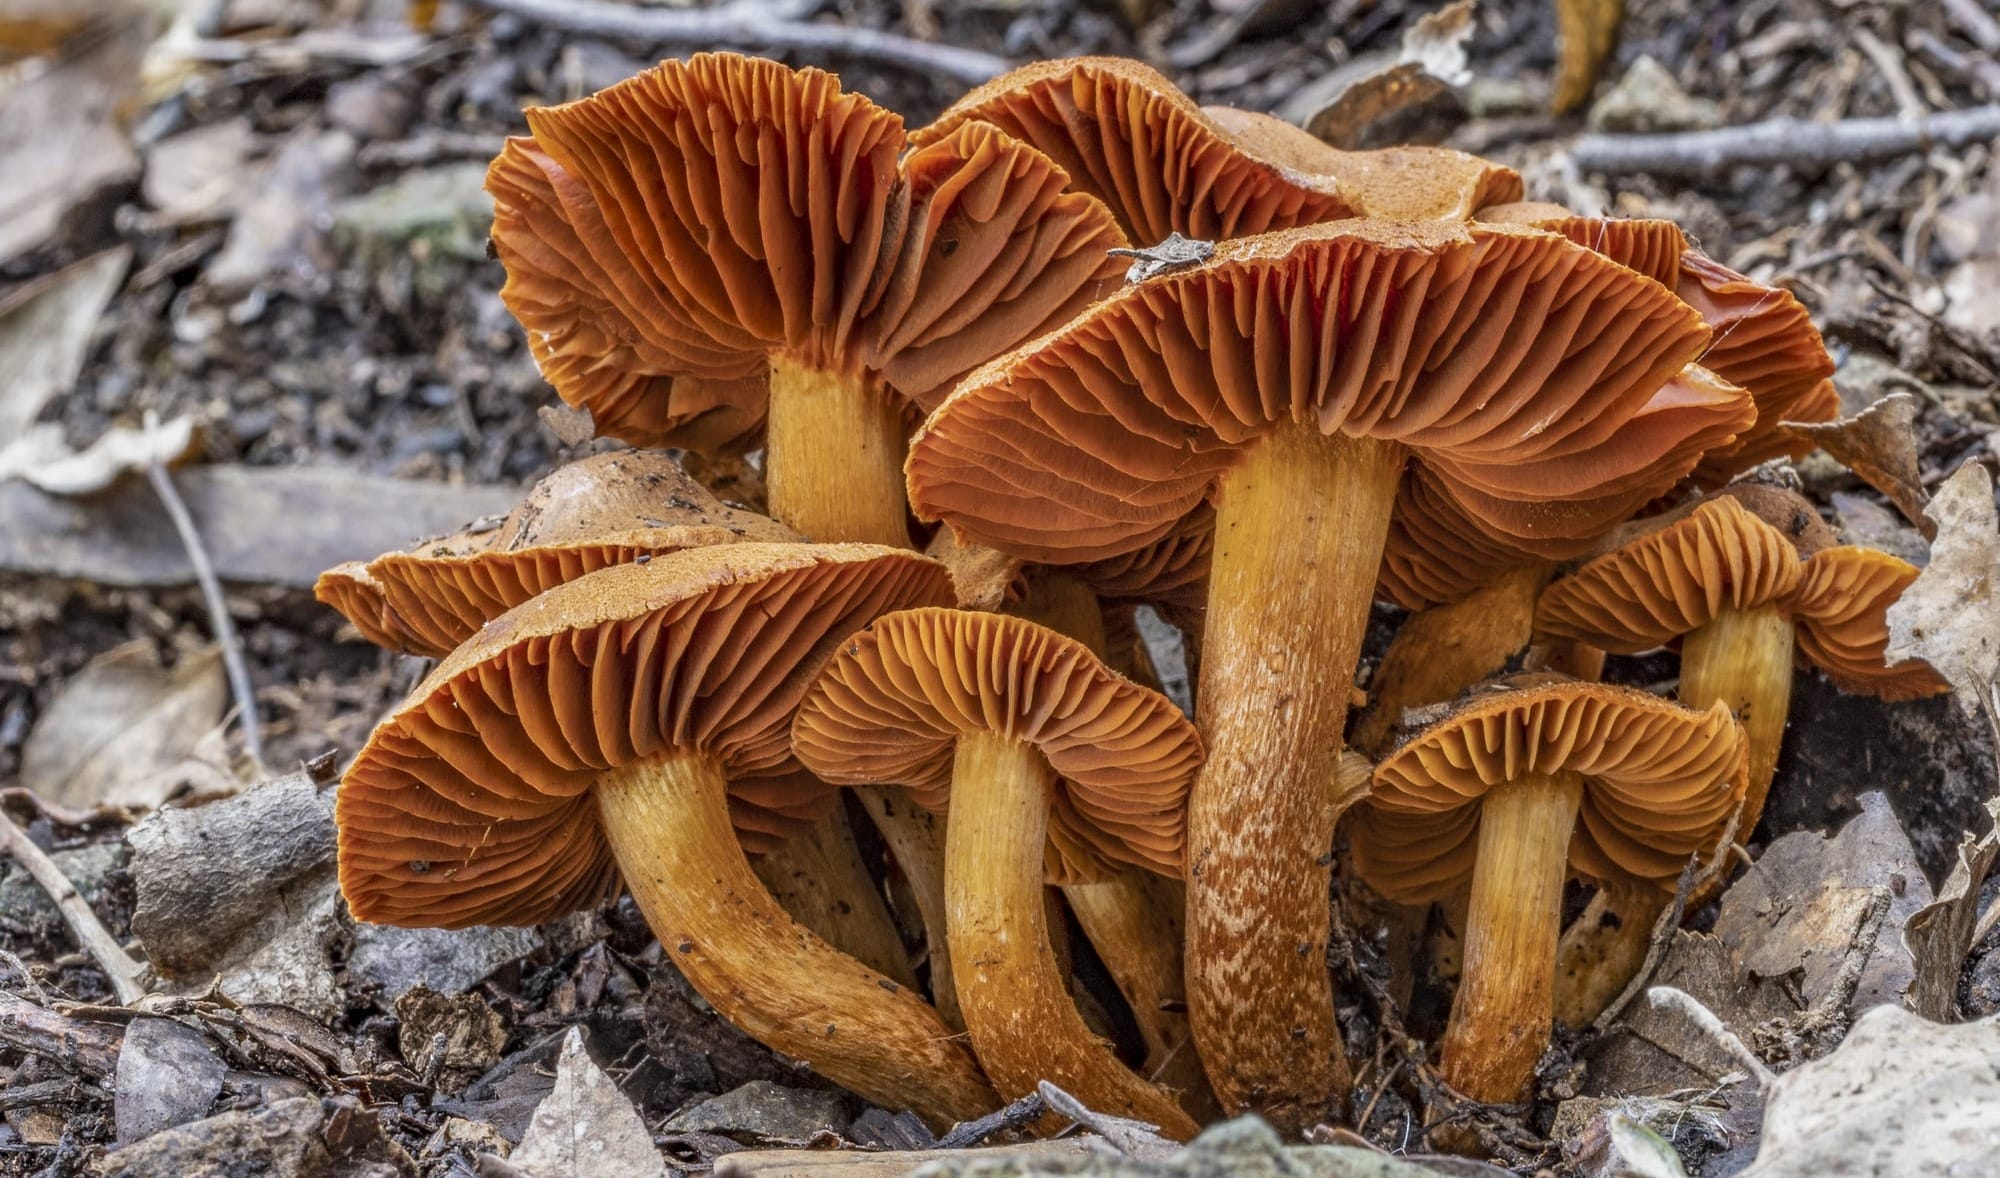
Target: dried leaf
[[199, 175], [60, 141], [585, 1126], [1950, 616], [45, 330], [41, 456], [1899, 1096], [168, 1075], [120, 720], [1879, 444], [1585, 32], [1941, 933]]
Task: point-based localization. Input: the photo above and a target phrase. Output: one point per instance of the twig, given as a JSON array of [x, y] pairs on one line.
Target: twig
[[1706, 1021], [218, 610], [1796, 142], [1978, 25], [740, 27], [83, 1048], [126, 974], [967, 1134]]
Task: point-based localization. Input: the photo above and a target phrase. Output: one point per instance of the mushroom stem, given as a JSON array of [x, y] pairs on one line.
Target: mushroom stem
[[1441, 651], [667, 820], [833, 445], [1567, 656], [1603, 948], [1501, 1018], [1134, 920], [1017, 1008], [818, 877], [917, 844], [1744, 659], [1065, 605], [1300, 522]]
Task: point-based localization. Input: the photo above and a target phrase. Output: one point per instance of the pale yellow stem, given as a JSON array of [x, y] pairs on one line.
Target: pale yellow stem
[[1744, 659], [1603, 949], [1501, 1017], [1014, 996], [1299, 527], [818, 877], [667, 820], [1441, 651], [916, 839], [833, 456]]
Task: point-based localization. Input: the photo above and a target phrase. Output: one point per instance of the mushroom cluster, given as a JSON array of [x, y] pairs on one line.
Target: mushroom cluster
[[988, 450]]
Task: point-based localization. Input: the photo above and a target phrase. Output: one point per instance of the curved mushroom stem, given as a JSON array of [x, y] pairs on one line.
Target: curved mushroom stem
[[667, 820], [1134, 920], [1744, 659], [917, 844], [1065, 605], [1567, 656], [1017, 1008], [1603, 949], [818, 877], [833, 456], [1441, 651], [1501, 1018], [1300, 522]]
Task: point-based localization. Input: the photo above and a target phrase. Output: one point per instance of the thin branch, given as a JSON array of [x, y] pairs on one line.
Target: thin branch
[[1794, 142], [741, 28], [1706, 1021], [126, 974], [218, 611]]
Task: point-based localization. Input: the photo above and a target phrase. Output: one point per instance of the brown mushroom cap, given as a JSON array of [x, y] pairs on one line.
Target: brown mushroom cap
[[1651, 246], [1519, 370], [1840, 606], [1163, 164], [892, 705], [1765, 341], [604, 510], [472, 805], [1660, 783], [1673, 581], [989, 579], [666, 236]]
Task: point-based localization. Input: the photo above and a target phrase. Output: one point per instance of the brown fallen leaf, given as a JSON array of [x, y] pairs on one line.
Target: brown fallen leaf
[[1942, 932], [1950, 615], [1585, 32], [1879, 444], [118, 722]]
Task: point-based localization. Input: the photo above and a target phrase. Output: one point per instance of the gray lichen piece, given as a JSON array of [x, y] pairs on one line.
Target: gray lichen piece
[[1172, 254]]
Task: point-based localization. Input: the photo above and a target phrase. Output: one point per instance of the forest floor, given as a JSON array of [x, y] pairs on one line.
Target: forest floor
[[270, 226]]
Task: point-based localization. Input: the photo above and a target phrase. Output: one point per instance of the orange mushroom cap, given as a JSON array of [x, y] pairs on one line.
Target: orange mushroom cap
[[892, 704], [1841, 607], [1651, 246], [1522, 372], [603, 510], [1765, 341], [1672, 581], [472, 804], [1126, 134], [667, 235], [1660, 783]]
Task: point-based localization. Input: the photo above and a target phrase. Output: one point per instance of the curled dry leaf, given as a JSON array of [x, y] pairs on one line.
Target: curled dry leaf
[[43, 458], [1879, 444], [118, 722], [1950, 616], [1585, 32]]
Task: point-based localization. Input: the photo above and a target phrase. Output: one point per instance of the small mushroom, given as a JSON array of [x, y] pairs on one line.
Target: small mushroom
[[724, 241], [604, 510], [1290, 381], [1049, 762], [1729, 585], [1164, 165], [592, 734], [1506, 794]]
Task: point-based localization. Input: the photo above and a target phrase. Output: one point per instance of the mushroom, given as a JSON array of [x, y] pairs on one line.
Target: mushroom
[[1731, 588], [593, 733], [1290, 380], [1506, 794], [1050, 762], [603, 510], [1127, 135], [724, 240]]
